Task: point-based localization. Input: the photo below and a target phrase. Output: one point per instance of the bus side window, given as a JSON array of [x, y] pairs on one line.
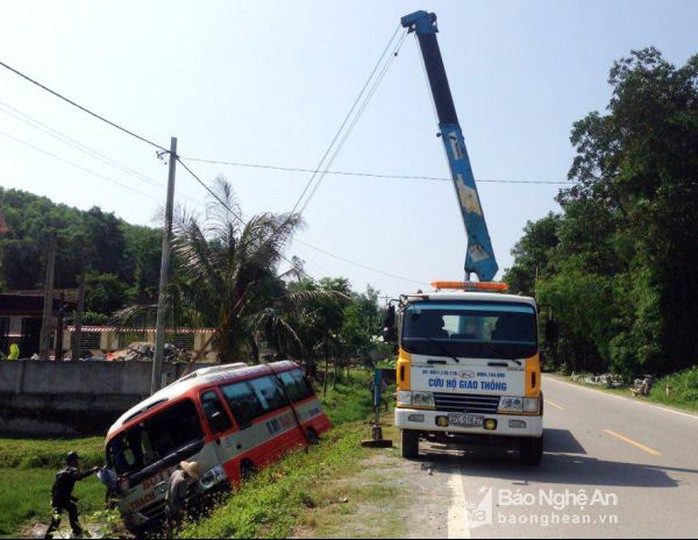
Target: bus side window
[[269, 393], [243, 403], [296, 386], [217, 417]]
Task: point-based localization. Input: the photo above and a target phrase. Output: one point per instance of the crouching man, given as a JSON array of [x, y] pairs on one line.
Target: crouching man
[[62, 499], [179, 489]]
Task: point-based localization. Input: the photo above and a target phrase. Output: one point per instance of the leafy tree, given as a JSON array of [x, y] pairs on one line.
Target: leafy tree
[[104, 293], [621, 276], [362, 322], [319, 319], [533, 254], [226, 271], [108, 244], [639, 162]]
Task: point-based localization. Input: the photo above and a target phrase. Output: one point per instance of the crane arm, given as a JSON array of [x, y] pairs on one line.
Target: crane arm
[[480, 258]]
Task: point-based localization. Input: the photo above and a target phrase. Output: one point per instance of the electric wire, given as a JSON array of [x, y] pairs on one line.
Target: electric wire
[[367, 174], [84, 109], [74, 143], [68, 162], [36, 124], [365, 267], [346, 118], [367, 98], [318, 170], [329, 149], [240, 218], [236, 215]]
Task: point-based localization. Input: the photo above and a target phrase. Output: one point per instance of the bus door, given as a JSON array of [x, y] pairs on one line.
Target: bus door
[[221, 426]]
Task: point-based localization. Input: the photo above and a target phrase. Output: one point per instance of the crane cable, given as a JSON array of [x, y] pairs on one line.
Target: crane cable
[[365, 98]]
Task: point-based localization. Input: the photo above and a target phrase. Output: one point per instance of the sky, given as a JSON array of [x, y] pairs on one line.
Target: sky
[[269, 82]]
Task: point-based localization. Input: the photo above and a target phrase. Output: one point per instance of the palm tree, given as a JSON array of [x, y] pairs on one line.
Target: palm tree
[[226, 268]]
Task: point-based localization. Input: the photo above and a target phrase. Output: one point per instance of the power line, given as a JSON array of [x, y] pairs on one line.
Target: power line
[[366, 97], [230, 210], [84, 109], [74, 143], [210, 191], [244, 222], [366, 174], [68, 162], [365, 267], [65, 139]]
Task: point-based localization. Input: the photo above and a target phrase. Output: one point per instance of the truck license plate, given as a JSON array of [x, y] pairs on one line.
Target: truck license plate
[[465, 420]]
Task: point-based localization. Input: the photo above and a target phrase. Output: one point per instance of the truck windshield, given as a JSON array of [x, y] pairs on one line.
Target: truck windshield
[[470, 329], [158, 437]]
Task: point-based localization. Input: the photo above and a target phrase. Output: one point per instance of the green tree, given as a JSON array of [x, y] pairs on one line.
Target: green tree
[[104, 293], [319, 319], [362, 323], [533, 254], [639, 163], [618, 270], [226, 271]]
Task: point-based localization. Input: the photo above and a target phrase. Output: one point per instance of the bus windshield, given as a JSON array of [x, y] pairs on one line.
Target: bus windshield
[[166, 434], [470, 329]]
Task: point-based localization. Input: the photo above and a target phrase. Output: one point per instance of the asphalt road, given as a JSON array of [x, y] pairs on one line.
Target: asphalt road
[[613, 467]]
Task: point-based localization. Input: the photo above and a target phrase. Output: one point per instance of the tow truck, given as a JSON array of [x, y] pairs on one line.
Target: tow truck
[[468, 366]]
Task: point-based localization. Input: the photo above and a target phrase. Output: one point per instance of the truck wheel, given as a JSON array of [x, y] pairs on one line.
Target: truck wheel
[[410, 444], [531, 450]]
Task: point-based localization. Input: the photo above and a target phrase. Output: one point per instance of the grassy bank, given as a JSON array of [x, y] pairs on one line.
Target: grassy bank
[[682, 394], [28, 468], [678, 390], [278, 499], [270, 506]]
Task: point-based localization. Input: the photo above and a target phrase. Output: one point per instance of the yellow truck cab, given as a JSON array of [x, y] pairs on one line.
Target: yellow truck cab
[[468, 369]]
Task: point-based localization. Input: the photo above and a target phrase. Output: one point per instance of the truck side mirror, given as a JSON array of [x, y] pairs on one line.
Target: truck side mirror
[[552, 331], [389, 333]]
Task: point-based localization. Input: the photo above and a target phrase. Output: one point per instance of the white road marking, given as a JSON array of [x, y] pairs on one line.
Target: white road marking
[[458, 526], [626, 399]]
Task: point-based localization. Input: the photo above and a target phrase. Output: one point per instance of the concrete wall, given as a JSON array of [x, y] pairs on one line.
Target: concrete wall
[[80, 398]]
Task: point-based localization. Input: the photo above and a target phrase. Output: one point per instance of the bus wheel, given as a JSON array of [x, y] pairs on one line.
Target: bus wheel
[[247, 469], [410, 444], [531, 450], [312, 436]]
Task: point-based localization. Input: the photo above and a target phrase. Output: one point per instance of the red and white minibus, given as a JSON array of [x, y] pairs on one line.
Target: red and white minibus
[[231, 419]]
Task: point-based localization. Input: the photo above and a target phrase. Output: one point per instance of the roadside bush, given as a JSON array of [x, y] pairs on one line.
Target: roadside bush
[[678, 389]]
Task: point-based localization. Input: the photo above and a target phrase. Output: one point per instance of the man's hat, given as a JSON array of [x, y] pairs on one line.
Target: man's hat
[[72, 457], [191, 468]]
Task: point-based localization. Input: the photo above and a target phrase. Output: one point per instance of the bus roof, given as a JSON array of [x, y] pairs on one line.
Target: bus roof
[[470, 296], [199, 378]]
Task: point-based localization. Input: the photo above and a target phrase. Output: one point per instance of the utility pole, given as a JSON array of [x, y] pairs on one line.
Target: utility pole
[[58, 347], [45, 336], [156, 377], [77, 335]]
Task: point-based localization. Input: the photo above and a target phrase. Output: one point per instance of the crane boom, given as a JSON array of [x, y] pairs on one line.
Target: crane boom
[[480, 258]]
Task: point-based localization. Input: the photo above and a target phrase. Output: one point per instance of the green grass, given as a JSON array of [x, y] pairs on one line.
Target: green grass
[[350, 399], [25, 496], [270, 505], [50, 453], [274, 503], [28, 468], [683, 392]]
